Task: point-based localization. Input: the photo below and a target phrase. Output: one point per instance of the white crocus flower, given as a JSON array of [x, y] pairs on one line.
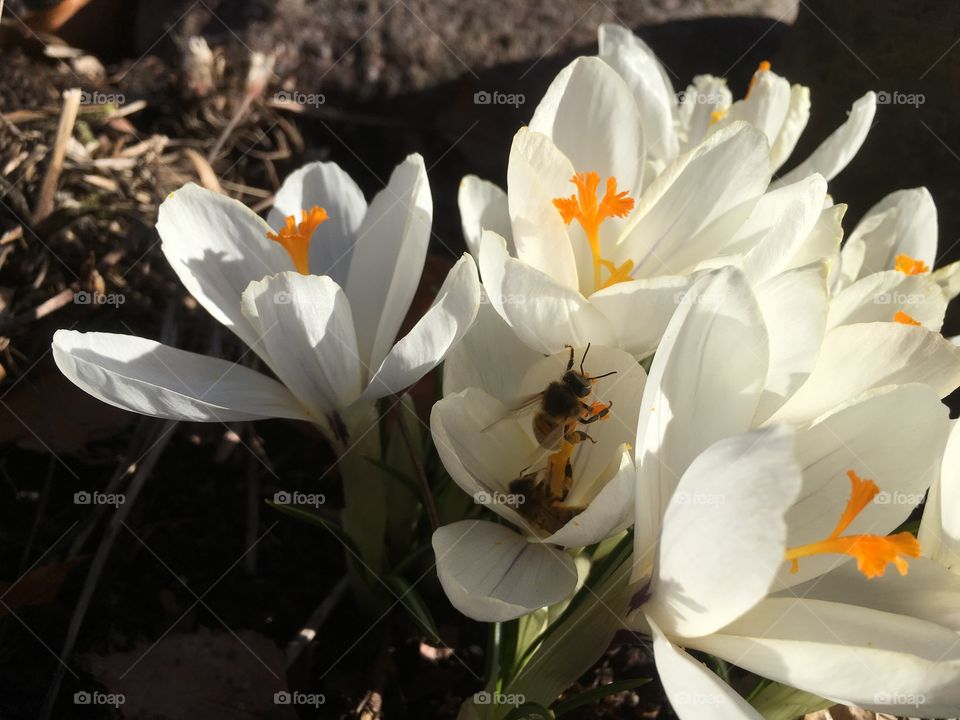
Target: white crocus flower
[[780, 111], [320, 301], [879, 427], [892, 251], [607, 263], [493, 571]]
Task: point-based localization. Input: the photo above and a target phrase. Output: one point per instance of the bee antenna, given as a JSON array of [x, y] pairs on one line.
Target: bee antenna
[[584, 358], [612, 372]]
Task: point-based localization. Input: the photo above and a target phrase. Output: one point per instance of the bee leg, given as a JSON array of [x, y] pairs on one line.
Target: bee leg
[[577, 436], [570, 361], [597, 411], [567, 480], [559, 469]]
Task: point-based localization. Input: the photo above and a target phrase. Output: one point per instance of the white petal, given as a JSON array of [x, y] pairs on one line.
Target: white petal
[[940, 527], [639, 310], [146, 377], [793, 125], [536, 174], [725, 521], [693, 690], [388, 256], [928, 592], [705, 96], [641, 70], [217, 246], [704, 384], [836, 152], [724, 172], [490, 357], [794, 307], [545, 315], [856, 358], [307, 331], [880, 296], [440, 328], [948, 278], [591, 116], [493, 574], [766, 106], [482, 204], [327, 185], [894, 436], [854, 655]]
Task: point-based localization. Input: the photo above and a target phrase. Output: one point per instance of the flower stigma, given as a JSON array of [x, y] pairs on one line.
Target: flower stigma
[[585, 208], [295, 237], [901, 317], [872, 552], [908, 266]]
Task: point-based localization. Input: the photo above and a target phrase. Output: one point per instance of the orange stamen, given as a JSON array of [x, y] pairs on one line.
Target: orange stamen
[[763, 67], [908, 266], [717, 115], [901, 317], [295, 238], [585, 208], [872, 552]]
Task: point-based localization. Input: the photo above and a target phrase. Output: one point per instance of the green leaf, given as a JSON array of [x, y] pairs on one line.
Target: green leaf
[[408, 482], [414, 604], [314, 518], [529, 711], [597, 693], [781, 702]]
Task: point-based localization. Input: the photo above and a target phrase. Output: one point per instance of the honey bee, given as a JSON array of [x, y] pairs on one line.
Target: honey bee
[[562, 407], [535, 505]]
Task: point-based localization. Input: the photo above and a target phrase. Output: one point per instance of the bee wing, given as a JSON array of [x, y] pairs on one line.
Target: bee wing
[[524, 404]]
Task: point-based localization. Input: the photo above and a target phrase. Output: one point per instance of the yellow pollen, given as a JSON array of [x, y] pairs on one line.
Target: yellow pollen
[[763, 67], [557, 467], [908, 266], [901, 317], [585, 208], [717, 115], [872, 552], [295, 238]]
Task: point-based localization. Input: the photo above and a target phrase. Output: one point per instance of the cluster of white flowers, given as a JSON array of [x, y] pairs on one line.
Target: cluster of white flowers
[[665, 339]]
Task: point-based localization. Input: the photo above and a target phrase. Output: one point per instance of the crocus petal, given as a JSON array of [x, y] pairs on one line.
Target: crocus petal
[[536, 174], [639, 310], [948, 278], [939, 533], [725, 520], [894, 436], [856, 358], [547, 316], [836, 152], [482, 204], [324, 184], [794, 307], [217, 246], [704, 384], [591, 116], [705, 96], [680, 202], [440, 328], [388, 256], [794, 123], [880, 296], [146, 377], [307, 331], [493, 574], [765, 108], [691, 688], [490, 357], [641, 70], [928, 592], [854, 655]]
